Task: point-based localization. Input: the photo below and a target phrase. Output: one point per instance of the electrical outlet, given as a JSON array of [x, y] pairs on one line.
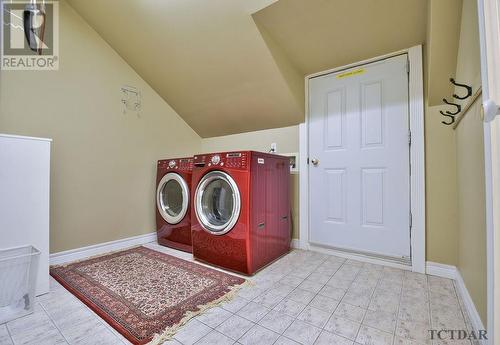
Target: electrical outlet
[[274, 147]]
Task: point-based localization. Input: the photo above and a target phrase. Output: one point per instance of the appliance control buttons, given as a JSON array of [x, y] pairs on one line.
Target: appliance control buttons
[[171, 164], [215, 159]]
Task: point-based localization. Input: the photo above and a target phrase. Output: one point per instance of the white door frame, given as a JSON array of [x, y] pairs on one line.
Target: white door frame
[[417, 161], [489, 34]]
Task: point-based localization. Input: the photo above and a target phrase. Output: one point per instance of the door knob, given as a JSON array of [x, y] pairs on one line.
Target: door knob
[[315, 161]]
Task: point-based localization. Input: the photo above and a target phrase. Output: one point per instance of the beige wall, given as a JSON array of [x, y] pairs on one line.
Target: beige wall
[[287, 140], [441, 47], [470, 168], [103, 161], [471, 207], [441, 189]]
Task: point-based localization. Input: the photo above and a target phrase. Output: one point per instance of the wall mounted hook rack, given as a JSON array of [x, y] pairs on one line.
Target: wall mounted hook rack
[[469, 89], [458, 106], [451, 118]]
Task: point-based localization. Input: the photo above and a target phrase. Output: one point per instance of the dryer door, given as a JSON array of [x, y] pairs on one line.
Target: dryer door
[[217, 202], [172, 198]]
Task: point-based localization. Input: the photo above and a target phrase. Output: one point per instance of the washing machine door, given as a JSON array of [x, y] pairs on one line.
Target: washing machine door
[[172, 198], [218, 203]]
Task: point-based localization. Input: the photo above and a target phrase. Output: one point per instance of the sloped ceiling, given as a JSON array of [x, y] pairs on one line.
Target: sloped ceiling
[[206, 58], [231, 66], [323, 34]]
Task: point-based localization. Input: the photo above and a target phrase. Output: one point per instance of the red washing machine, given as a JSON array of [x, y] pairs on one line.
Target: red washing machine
[[173, 216], [241, 209]]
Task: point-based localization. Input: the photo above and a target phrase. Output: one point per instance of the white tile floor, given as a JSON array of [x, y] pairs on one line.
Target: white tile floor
[[304, 298]]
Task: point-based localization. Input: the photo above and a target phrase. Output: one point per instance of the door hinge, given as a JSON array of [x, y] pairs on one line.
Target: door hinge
[[411, 220], [307, 161], [408, 66], [409, 137]]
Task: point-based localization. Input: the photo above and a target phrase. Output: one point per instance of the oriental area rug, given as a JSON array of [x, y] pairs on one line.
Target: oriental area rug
[[144, 294]]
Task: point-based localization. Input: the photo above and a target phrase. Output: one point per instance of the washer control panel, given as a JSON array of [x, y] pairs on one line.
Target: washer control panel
[[182, 164], [232, 160], [236, 160]]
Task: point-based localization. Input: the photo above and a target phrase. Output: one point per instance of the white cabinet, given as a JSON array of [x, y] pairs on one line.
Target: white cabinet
[[24, 198]]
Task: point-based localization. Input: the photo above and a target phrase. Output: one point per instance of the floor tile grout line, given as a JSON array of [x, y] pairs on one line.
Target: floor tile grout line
[[399, 307], [254, 324], [457, 295], [102, 322], [431, 322], [465, 315], [344, 294], [296, 318], [366, 309], [54, 323], [340, 301], [9, 333]]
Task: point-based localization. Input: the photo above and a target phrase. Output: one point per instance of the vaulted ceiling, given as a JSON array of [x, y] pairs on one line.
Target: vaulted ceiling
[[322, 34], [206, 58], [231, 66]]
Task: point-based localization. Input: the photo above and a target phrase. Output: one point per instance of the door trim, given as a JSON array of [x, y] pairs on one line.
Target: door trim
[[490, 50], [417, 156]]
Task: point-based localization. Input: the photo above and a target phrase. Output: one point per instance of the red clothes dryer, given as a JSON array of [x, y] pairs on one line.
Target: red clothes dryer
[[173, 216], [241, 209]]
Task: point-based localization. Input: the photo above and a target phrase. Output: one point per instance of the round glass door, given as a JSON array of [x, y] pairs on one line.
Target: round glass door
[[172, 198], [217, 202]]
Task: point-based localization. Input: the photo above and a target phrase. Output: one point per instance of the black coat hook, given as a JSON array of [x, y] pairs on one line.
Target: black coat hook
[[459, 107], [452, 118], [469, 89]]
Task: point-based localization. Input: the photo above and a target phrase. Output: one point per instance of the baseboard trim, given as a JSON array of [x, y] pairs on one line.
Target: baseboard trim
[[441, 270], [100, 248], [355, 256], [474, 317], [451, 272], [295, 243]]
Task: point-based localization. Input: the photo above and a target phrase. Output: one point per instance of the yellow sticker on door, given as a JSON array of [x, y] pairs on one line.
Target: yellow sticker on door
[[352, 73]]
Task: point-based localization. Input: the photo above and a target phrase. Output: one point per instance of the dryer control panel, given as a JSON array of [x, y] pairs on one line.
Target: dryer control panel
[[182, 164], [230, 160]]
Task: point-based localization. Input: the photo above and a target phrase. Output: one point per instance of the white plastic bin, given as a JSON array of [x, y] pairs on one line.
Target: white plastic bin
[[18, 271]]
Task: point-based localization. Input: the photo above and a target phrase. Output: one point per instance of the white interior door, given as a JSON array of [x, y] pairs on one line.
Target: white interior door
[[359, 187]]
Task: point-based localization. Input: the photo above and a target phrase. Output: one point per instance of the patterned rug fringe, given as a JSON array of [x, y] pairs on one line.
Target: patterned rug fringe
[[170, 331]]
